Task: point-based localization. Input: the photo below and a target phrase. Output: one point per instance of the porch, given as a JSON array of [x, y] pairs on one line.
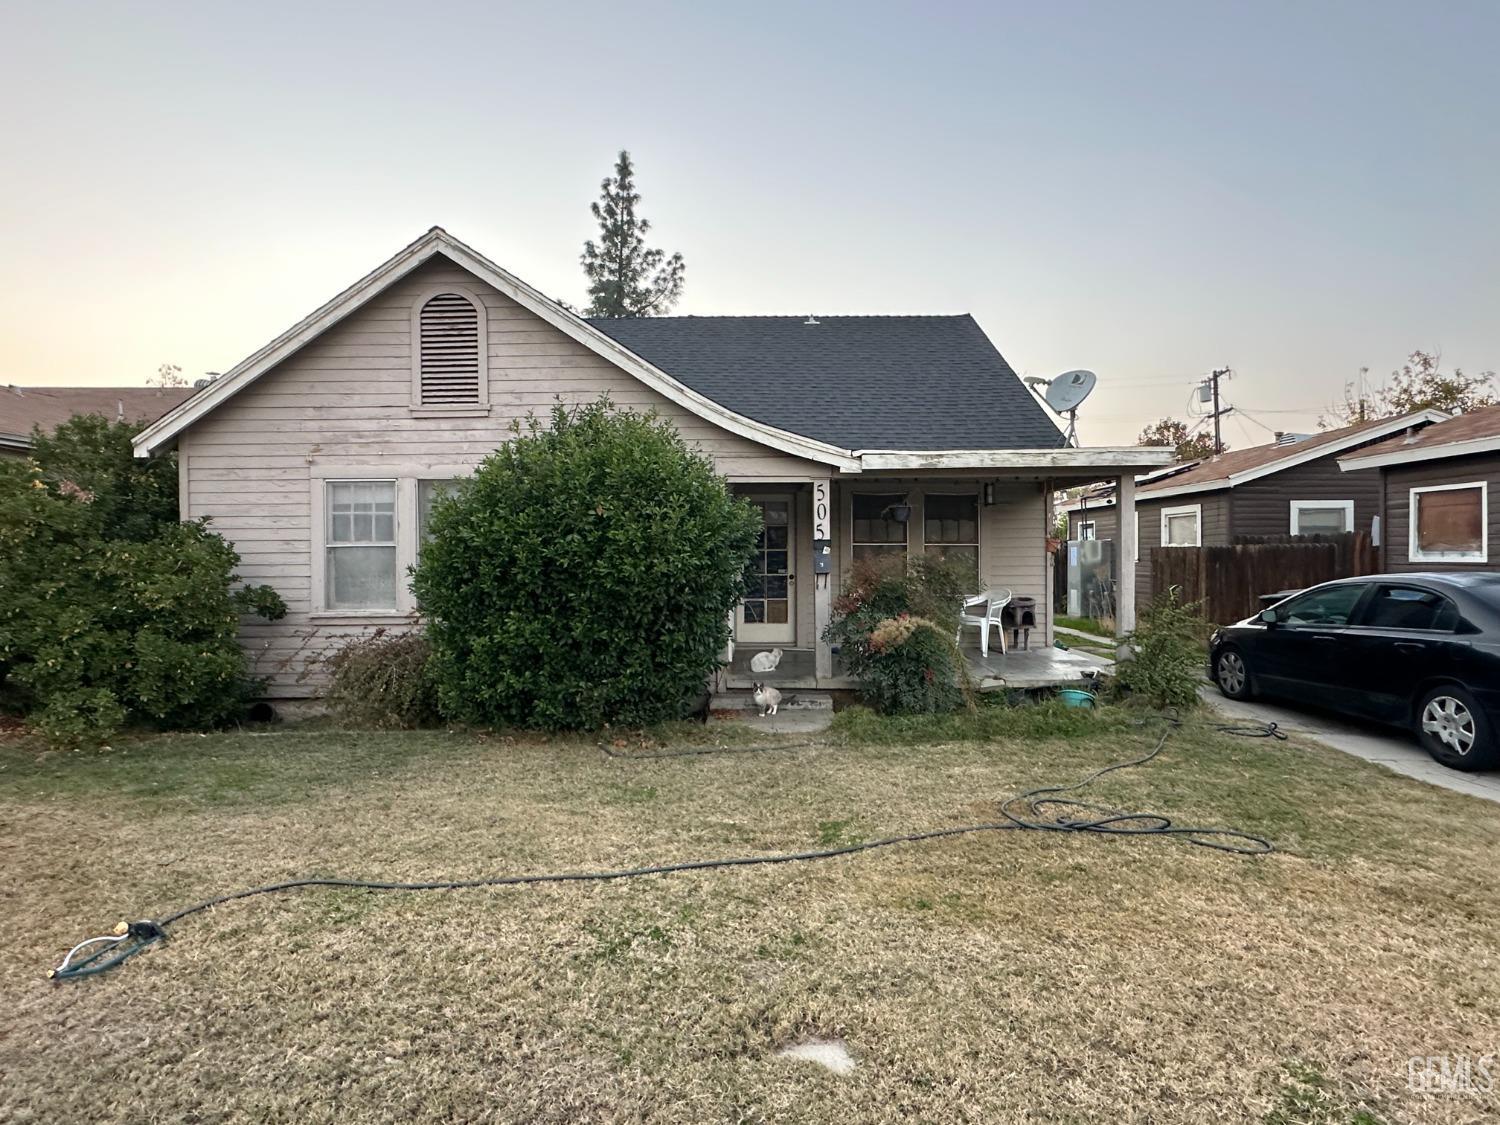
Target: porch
[[1038, 667]]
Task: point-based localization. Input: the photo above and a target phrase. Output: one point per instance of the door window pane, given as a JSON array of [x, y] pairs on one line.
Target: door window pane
[[1449, 523], [1330, 607], [361, 544], [1404, 607], [768, 588]]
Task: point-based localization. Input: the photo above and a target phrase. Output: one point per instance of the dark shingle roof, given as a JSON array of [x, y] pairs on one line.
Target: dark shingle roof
[[857, 382]]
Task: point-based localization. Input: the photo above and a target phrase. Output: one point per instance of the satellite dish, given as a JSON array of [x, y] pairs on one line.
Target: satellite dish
[[1069, 389]]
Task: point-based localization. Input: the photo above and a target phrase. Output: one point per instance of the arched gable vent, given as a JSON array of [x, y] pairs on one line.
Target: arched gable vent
[[450, 365]]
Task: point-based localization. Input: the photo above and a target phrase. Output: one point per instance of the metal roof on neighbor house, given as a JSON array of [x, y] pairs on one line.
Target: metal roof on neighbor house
[[857, 382]]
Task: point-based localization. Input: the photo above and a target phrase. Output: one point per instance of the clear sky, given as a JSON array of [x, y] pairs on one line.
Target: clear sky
[[1294, 190]]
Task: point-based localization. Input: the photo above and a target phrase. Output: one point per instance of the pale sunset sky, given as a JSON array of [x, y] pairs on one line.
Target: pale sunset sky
[[1150, 190]]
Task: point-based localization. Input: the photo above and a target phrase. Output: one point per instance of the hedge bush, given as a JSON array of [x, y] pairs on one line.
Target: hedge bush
[[583, 576], [111, 611], [384, 681], [894, 627]]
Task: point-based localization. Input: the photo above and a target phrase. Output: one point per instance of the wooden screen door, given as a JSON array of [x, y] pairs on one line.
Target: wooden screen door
[[768, 615]]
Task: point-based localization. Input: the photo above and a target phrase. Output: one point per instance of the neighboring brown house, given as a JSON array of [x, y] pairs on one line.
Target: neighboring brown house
[[24, 408], [1292, 486], [1094, 514], [1439, 486]]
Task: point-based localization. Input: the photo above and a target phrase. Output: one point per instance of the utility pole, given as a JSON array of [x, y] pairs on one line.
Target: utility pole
[[1208, 391]]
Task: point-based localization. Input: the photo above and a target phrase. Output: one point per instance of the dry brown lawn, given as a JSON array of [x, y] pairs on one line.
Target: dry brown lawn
[[1004, 977]]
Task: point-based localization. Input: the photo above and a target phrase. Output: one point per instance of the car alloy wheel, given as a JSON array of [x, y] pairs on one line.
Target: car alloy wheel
[[1232, 674], [1449, 721]]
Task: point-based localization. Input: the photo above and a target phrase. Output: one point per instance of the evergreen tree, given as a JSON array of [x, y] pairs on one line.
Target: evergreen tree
[[627, 277]]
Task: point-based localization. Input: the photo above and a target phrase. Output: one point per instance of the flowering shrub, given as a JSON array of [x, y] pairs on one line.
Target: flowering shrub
[[894, 629]]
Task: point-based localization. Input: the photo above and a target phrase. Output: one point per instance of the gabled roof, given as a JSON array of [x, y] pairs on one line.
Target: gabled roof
[[878, 382], [801, 441], [22, 408], [1243, 465], [1478, 431]]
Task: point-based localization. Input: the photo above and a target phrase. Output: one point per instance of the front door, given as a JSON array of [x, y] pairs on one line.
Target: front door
[[768, 615]]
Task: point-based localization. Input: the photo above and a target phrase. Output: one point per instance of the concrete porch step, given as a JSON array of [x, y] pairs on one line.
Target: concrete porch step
[[791, 700]]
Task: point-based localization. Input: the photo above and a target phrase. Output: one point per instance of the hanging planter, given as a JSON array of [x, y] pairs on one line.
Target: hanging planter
[[900, 513]]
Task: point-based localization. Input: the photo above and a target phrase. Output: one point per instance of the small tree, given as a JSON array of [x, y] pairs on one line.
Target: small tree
[[583, 576], [129, 497], [1174, 434], [167, 375], [1168, 653], [1421, 384], [627, 278]]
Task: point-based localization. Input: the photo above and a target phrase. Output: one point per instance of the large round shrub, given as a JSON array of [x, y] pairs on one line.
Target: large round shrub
[[111, 611], [583, 576]]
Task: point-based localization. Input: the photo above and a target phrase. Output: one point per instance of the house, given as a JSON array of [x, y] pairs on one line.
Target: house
[[319, 454], [1436, 485], [1092, 514], [22, 409], [1291, 486]]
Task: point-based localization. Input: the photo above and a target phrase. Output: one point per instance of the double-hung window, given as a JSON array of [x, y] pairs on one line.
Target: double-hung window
[[950, 532], [360, 545], [876, 535]]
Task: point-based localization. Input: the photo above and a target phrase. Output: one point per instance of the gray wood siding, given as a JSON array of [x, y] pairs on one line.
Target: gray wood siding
[[1264, 506], [1400, 479], [344, 401]]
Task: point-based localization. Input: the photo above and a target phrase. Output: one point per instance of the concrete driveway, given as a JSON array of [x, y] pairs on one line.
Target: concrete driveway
[[1385, 746]]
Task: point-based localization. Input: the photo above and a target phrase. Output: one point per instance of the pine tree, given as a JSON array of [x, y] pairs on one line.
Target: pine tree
[[627, 277]]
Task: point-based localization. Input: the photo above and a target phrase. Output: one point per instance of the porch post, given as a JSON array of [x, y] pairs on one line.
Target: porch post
[[822, 514], [1125, 594]]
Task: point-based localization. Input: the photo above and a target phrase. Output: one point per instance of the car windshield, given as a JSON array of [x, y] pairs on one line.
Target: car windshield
[[1329, 606]]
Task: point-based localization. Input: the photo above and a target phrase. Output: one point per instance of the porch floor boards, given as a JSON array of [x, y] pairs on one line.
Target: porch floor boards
[[1038, 667]]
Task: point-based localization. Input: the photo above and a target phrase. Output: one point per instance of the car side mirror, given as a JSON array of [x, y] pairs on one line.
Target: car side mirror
[[1268, 617]]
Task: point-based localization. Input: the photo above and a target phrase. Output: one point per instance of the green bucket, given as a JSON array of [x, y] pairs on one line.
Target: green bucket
[[1076, 697]]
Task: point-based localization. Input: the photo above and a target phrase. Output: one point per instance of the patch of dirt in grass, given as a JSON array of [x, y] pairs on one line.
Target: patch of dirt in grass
[[1004, 977]]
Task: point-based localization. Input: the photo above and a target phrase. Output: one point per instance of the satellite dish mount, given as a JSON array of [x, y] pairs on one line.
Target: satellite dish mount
[[1065, 394]]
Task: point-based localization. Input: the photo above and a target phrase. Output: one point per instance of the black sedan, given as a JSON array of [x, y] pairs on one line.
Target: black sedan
[[1417, 650]]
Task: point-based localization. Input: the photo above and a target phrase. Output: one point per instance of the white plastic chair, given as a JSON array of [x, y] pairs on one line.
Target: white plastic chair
[[990, 604]]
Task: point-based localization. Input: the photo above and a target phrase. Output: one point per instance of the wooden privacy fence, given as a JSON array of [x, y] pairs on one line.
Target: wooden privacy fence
[[1230, 581]]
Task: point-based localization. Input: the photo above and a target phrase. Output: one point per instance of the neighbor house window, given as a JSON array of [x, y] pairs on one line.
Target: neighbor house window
[[1450, 523], [1086, 530], [360, 544], [1182, 527], [876, 534], [449, 353], [950, 532], [1322, 517]]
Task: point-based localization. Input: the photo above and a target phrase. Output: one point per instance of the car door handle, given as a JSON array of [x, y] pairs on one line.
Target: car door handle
[[1411, 646], [1324, 637]]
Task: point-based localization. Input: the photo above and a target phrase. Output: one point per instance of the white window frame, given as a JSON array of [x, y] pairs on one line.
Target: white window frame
[[1194, 510], [1088, 529], [1416, 554], [1298, 505], [479, 409], [405, 477]]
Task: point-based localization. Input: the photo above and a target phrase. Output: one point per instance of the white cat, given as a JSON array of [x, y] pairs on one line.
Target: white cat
[[767, 699], [765, 661]]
